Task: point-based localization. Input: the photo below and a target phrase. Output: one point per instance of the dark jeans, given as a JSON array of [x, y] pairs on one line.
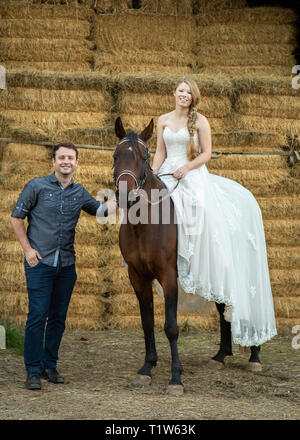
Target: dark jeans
[[49, 293]]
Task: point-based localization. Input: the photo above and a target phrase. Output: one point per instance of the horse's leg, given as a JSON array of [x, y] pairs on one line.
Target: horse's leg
[[217, 362], [172, 332], [143, 290], [254, 363]]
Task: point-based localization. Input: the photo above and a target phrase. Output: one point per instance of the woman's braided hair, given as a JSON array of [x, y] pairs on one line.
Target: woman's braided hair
[[192, 150]]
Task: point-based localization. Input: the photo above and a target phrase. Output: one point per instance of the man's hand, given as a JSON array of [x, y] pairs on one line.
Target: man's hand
[[32, 257], [111, 206]]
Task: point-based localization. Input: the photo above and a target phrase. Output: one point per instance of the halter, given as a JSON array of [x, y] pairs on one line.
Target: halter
[[139, 184]]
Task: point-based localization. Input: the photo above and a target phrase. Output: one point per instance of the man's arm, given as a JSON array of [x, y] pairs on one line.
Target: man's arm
[[94, 207], [26, 201], [32, 255]]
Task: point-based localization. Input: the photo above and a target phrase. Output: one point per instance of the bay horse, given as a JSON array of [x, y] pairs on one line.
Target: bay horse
[[150, 252]]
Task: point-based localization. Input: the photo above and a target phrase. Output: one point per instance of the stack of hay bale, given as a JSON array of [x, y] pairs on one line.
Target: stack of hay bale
[[45, 37], [93, 61], [245, 41]]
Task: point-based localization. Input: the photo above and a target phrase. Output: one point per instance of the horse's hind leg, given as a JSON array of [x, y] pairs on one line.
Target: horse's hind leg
[[254, 363], [144, 294], [217, 362]]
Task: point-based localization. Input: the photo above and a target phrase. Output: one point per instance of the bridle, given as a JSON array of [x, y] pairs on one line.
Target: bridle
[[140, 183]]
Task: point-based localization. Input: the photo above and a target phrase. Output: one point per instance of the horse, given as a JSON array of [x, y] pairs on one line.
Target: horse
[[150, 252]]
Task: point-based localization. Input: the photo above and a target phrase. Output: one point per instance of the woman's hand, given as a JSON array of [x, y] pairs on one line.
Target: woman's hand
[[181, 172]]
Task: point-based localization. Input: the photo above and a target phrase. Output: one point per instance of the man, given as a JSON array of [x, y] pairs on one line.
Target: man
[[52, 205]]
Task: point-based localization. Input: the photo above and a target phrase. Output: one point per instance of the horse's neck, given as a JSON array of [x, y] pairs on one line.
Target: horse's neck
[[152, 182]]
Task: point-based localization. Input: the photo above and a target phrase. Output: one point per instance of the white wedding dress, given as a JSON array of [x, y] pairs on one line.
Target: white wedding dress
[[221, 246]]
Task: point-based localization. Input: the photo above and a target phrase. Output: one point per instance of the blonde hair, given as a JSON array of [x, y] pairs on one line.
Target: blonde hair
[[192, 150]]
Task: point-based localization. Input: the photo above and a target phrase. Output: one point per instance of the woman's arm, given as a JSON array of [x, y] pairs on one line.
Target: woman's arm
[[160, 153], [204, 133]]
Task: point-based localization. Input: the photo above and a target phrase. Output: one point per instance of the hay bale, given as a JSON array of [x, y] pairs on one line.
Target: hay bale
[[284, 325], [27, 152], [52, 125], [242, 140], [124, 40], [245, 54], [246, 33], [287, 307], [111, 6], [240, 162], [285, 282], [133, 31], [264, 85], [51, 100], [282, 106], [285, 126], [44, 28], [170, 7], [59, 80], [282, 232], [48, 65], [287, 257], [250, 16], [280, 207], [260, 182], [43, 49], [30, 10], [13, 304], [246, 70]]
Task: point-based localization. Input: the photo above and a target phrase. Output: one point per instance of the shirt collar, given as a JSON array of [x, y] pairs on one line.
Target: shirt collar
[[54, 179]]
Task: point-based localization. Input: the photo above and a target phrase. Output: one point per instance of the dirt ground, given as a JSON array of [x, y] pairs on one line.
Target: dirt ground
[[98, 368]]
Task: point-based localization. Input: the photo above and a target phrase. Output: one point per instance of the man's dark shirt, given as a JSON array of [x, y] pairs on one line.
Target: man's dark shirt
[[53, 213]]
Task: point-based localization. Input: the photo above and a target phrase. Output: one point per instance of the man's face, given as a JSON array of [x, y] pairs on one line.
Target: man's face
[[65, 161]]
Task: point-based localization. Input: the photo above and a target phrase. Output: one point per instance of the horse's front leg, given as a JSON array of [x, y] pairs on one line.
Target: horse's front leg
[[172, 332], [143, 290]]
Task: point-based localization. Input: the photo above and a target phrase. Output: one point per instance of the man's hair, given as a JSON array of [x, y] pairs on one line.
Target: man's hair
[[66, 145]]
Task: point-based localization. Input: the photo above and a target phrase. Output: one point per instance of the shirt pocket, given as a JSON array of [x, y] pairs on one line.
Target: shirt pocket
[[48, 199], [72, 204]]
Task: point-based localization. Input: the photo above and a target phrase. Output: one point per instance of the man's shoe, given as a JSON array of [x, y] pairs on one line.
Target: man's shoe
[[52, 375], [33, 381]]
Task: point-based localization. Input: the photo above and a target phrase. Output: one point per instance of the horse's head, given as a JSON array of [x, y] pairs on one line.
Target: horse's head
[[131, 158]]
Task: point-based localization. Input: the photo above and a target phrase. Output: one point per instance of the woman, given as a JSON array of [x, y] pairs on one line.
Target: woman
[[221, 244]]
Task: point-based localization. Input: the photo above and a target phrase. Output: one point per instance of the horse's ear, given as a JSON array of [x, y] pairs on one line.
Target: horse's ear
[[119, 129], [147, 132]]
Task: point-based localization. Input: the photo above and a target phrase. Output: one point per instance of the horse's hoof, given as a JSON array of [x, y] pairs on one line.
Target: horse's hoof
[[215, 365], [141, 379], [254, 367], [175, 390]]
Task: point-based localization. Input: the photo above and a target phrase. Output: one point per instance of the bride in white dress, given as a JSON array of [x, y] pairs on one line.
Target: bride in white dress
[[221, 243]]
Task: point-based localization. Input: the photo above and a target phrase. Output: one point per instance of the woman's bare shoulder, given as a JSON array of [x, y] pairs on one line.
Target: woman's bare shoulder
[[162, 119], [201, 121]]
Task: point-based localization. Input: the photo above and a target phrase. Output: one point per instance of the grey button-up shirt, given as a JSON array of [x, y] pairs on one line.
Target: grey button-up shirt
[[53, 213]]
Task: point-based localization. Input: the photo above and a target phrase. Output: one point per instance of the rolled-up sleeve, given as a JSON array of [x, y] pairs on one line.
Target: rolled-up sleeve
[[90, 204], [26, 201]]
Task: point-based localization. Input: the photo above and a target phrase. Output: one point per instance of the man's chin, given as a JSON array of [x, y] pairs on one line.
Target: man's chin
[[66, 172]]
